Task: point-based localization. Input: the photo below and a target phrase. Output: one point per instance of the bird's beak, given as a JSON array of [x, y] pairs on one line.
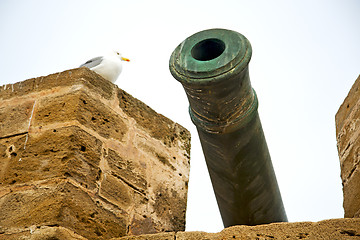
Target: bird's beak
[[125, 59]]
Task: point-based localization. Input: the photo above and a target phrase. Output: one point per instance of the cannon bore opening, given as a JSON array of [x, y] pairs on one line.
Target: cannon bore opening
[[208, 49]]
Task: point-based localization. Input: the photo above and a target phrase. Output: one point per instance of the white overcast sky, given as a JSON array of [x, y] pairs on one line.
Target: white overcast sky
[[306, 56]]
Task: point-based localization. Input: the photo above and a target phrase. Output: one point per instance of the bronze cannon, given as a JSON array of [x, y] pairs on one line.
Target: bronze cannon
[[212, 66]]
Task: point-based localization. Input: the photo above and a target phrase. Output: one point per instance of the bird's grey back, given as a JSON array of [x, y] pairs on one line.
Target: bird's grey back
[[92, 62]]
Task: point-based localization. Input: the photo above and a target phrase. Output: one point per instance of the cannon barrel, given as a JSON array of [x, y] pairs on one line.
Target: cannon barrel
[[212, 66]]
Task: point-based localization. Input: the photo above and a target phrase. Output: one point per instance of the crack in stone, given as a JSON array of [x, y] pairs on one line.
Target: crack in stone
[[352, 171], [14, 135], [349, 232], [140, 191]]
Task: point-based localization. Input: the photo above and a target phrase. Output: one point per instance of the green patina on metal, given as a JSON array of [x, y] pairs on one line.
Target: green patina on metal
[[212, 66], [206, 64], [235, 56]]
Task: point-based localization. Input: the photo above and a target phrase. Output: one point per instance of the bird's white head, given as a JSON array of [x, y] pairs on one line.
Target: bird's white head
[[121, 57]]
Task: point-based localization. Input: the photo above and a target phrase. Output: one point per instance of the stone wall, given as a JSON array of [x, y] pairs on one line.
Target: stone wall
[[328, 229], [348, 144], [82, 159]]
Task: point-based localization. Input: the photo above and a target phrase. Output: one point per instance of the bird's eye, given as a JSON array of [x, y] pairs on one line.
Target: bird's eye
[[117, 53]]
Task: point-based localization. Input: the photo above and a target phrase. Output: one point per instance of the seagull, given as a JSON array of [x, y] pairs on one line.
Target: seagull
[[109, 66]]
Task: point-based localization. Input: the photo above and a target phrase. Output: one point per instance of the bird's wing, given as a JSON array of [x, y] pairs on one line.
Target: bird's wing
[[92, 62]]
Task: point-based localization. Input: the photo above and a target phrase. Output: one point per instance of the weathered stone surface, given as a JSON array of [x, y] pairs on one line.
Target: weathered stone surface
[[352, 194], [43, 233], [127, 170], [73, 78], [328, 229], [63, 152], [75, 160], [10, 149], [15, 118], [58, 203], [350, 103], [116, 191], [79, 106], [348, 144], [162, 128], [157, 236]]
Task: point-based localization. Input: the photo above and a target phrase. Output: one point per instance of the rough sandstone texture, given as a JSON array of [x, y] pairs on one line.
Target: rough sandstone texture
[[82, 159], [339, 229], [327, 229], [348, 144]]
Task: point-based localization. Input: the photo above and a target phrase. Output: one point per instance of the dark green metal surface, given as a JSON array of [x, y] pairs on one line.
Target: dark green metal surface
[[212, 66]]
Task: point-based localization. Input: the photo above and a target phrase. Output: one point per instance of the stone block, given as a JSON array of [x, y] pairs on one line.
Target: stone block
[[57, 81], [15, 118], [67, 152], [157, 236], [160, 128], [350, 160], [59, 203], [351, 191], [348, 144], [79, 106], [127, 170], [79, 156], [43, 233], [158, 183], [350, 103], [327, 229]]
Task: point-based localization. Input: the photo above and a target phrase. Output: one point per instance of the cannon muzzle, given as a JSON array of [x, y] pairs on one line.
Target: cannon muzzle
[[212, 66]]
